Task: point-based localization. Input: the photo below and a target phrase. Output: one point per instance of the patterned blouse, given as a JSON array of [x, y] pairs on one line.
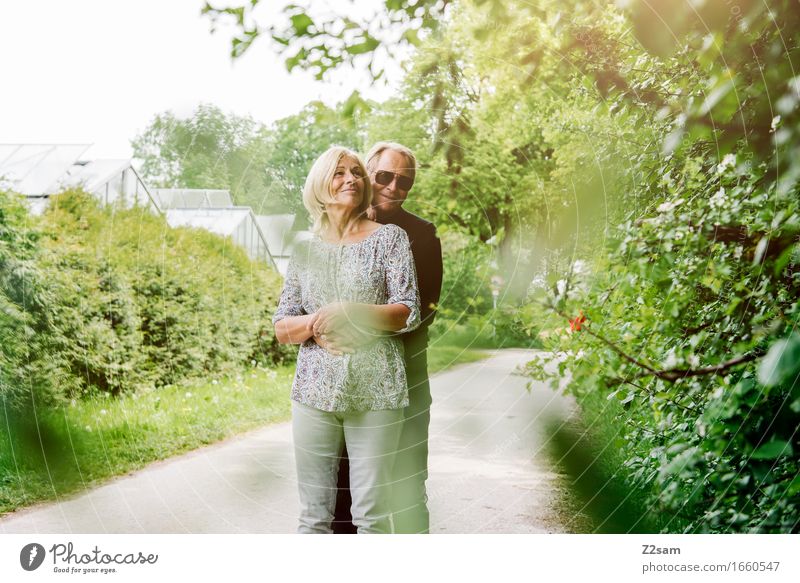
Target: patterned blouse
[[376, 270]]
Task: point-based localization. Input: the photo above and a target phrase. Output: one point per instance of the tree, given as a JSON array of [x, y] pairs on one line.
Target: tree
[[211, 150], [294, 142], [651, 156], [321, 42], [688, 324]]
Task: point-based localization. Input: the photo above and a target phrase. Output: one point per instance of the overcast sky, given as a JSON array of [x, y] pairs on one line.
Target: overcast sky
[[97, 71]]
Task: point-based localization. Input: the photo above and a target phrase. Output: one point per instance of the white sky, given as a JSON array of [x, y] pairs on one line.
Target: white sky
[[98, 71]]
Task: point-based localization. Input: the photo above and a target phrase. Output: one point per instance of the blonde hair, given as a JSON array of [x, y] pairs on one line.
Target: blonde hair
[[379, 148], [317, 190]]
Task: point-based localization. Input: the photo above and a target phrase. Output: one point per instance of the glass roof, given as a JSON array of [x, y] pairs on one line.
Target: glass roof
[[220, 221], [94, 174], [37, 168], [170, 198]]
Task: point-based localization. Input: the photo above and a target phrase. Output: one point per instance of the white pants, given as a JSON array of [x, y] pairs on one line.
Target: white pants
[[371, 438]]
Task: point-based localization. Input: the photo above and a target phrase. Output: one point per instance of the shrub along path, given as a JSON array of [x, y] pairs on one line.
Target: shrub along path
[[488, 471]]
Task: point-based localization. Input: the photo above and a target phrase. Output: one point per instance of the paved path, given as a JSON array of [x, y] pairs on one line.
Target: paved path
[[488, 471]]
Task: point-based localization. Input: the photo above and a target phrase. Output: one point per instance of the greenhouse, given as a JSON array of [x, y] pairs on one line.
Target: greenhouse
[[38, 171], [170, 198], [281, 239], [237, 222]]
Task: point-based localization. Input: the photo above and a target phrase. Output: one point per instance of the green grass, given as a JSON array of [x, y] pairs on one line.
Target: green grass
[[93, 439], [595, 495], [441, 357]]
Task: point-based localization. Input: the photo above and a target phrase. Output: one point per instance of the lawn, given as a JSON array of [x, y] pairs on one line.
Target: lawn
[[93, 439], [442, 357]]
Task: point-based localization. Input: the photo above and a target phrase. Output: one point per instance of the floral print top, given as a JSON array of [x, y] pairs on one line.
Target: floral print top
[[376, 270]]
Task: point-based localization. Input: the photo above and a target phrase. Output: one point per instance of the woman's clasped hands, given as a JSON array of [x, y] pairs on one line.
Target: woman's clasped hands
[[337, 328]]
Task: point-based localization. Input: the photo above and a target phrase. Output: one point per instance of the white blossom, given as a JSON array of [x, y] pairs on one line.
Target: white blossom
[[669, 205], [729, 161], [719, 199], [579, 267], [671, 361]]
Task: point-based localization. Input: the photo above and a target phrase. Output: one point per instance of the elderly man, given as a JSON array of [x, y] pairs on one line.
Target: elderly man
[[392, 170]]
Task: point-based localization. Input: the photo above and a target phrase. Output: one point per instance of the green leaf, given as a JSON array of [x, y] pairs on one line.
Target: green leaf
[[301, 23], [761, 248], [412, 36], [795, 406], [772, 450], [782, 361], [794, 486], [784, 259], [715, 96], [369, 45]]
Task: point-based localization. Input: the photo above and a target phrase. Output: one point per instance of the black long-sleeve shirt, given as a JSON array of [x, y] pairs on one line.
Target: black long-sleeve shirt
[[427, 251]]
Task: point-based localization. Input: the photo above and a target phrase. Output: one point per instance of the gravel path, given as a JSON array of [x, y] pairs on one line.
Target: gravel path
[[488, 471]]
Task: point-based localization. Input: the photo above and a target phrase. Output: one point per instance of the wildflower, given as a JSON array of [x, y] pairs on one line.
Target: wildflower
[[575, 323], [719, 199], [668, 206], [579, 267], [729, 161]]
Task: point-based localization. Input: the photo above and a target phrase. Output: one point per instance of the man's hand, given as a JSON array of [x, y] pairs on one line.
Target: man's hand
[[334, 330], [346, 341], [331, 318], [329, 345], [334, 344]]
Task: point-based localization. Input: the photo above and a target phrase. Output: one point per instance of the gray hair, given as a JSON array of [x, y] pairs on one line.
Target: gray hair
[[379, 148]]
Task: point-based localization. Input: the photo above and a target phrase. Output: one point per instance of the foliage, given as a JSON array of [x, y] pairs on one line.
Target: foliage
[[692, 309], [263, 167], [113, 300], [296, 141], [29, 368], [210, 150], [324, 41]]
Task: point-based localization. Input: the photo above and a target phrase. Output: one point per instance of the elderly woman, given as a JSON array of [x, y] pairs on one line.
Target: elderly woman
[[355, 275]]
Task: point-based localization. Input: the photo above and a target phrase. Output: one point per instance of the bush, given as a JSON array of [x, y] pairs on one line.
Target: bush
[[109, 300], [31, 368], [466, 316]]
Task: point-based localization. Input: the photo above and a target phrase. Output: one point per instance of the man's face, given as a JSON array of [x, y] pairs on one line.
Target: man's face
[[388, 198]]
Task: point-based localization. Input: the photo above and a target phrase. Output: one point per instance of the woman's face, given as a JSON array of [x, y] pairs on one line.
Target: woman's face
[[347, 186]]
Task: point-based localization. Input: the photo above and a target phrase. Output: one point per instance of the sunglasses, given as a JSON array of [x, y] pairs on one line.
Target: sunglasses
[[384, 178]]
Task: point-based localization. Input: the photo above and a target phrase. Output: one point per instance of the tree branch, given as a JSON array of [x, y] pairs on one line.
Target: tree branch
[[670, 375]]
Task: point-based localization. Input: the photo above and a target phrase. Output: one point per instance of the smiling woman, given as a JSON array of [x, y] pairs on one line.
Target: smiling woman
[[337, 196]]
